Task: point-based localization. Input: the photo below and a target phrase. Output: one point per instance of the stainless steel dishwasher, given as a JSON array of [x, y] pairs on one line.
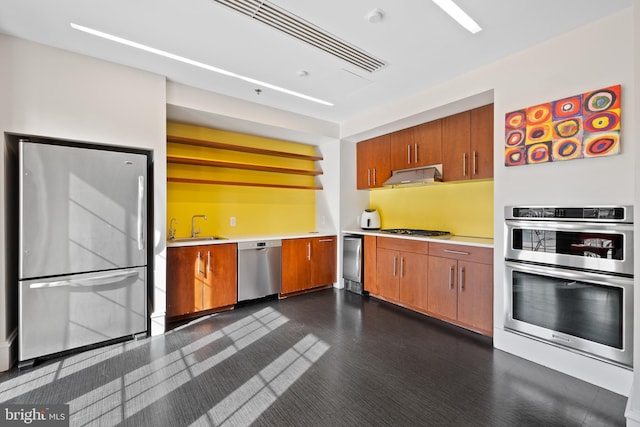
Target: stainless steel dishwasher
[[259, 269]]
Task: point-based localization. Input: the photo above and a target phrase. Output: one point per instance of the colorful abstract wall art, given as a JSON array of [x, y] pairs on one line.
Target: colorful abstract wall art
[[581, 126]]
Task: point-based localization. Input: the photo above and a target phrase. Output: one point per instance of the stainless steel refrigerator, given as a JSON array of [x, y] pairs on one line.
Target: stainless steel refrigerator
[[82, 241]]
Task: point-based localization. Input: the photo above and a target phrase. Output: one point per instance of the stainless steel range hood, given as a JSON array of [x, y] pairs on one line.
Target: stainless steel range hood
[[415, 176]]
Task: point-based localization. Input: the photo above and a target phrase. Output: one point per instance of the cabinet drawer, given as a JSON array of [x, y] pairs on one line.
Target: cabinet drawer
[[405, 245], [467, 253]]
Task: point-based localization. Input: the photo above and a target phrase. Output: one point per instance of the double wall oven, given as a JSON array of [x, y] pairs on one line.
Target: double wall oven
[[569, 278]]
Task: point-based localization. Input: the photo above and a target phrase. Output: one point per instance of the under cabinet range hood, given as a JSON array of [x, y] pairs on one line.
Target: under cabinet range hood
[[415, 176]]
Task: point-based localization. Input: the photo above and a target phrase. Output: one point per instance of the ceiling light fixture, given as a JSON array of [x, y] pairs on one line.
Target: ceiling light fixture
[[198, 64], [454, 11], [375, 16]]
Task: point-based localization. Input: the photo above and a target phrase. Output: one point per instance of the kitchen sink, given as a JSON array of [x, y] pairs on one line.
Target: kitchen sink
[[196, 239]]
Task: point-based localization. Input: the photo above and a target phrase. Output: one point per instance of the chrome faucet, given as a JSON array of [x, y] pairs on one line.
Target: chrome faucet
[[195, 232], [172, 230]]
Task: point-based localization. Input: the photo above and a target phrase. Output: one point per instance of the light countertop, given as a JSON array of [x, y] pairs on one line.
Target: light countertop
[[179, 242], [482, 242]]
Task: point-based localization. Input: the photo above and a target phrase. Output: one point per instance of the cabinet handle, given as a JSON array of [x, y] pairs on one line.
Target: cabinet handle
[[408, 154], [464, 164], [208, 260], [450, 277], [415, 152], [325, 240], [449, 251], [309, 251], [369, 177], [394, 265], [375, 181], [401, 266], [475, 163], [201, 264], [461, 280]]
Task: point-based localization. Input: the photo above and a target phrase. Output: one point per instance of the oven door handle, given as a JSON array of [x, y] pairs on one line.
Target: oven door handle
[[591, 227], [577, 275]]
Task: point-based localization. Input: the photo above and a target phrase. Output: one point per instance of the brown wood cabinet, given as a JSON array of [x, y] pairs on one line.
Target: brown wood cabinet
[[482, 142], [467, 145], [416, 146], [456, 140], [402, 149], [308, 263], [428, 143], [402, 271], [462, 143], [461, 285], [200, 278], [373, 165], [370, 262]]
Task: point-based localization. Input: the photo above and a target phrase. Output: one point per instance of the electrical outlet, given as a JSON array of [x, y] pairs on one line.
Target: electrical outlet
[[232, 221]]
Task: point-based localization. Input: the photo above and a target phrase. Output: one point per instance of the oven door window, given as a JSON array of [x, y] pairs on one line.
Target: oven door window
[[593, 245], [585, 310]]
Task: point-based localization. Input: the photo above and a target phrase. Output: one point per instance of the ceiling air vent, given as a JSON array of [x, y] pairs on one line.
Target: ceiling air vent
[[294, 26]]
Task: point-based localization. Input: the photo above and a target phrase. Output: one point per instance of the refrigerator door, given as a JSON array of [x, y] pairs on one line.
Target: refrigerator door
[[67, 312], [81, 209]]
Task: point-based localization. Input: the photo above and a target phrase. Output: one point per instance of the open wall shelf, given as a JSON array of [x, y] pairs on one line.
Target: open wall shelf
[[193, 161]]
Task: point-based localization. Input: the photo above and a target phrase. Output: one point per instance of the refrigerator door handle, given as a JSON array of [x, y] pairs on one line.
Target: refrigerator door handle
[[95, 280], [140, 212]]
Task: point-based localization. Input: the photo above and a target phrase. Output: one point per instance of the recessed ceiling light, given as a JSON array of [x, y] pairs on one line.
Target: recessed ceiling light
[[454, 11], [198, 64]]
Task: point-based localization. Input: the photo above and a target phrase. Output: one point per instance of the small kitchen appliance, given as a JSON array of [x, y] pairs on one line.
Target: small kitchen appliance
[[352, 265], [370, 219]]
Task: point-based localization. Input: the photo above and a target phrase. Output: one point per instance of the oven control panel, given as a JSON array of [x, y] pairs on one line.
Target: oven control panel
[[587, 213]]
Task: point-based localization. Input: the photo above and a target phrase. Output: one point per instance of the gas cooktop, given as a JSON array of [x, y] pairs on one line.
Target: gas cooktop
[[415, 232]]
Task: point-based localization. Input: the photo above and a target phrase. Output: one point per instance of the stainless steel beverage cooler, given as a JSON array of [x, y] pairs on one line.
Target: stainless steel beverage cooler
[[352, 264]]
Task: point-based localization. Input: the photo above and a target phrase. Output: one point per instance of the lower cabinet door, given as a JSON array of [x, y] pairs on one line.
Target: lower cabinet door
[[475, 296], [219, 283], [184, 280], [296, 265], [413, 279], [323, 261], [387, 272], [442, 298]]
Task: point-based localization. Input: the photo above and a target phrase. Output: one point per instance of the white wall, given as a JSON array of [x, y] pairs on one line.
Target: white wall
[[54, 93], [591, 57], [633, 404], [570, 68]]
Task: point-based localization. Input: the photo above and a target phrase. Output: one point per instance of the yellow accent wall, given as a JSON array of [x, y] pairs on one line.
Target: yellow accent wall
[[463, 208], [257, 210]]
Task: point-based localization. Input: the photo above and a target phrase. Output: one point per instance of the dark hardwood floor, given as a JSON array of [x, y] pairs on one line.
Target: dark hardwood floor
[[329, 358]]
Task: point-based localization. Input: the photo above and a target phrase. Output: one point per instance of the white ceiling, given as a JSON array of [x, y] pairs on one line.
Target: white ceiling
[[420, 44]]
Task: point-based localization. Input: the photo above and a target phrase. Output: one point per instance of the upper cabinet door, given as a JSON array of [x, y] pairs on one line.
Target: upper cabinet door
[[364, 161], [402, 145], [456, 162], [427, 143], [482, 142], [373, 166]]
